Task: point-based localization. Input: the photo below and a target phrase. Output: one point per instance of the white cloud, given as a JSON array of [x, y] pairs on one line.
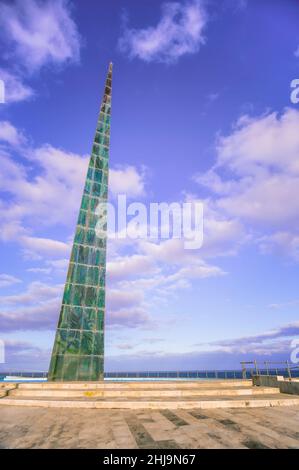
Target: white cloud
[[128, 317], [9, 134], [7, 280], [59, 176], [261, 343], [39, 270], [153, 274], [283, 305], [45, 246], [15, 90], [117, 299], [36, 292], [284, 243], [260, 159], [259, 144], [40, 33], [60, 264], [127, 266], [297, 52], [179, 32], [127, 181], [36, 316], [35, 308]]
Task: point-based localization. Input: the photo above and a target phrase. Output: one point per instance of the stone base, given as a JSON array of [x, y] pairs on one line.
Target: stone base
[[153, 395]]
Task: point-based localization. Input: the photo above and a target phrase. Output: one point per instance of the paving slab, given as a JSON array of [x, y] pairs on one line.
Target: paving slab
[[23, 427]]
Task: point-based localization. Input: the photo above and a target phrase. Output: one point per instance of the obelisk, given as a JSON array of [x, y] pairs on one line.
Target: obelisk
[[78, 352]]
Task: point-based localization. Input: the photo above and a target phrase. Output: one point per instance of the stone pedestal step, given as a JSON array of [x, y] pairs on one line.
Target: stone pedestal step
[[144, 403], [173, 385], [140, 393]]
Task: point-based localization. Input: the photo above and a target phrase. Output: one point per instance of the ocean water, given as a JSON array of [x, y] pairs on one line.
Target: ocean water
[[159, 375]]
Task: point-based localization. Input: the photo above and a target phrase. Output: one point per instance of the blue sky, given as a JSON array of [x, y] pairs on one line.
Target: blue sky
[[201, 111]]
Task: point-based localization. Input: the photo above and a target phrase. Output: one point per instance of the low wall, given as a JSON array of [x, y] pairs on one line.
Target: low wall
[[285, 385], [289, 387]]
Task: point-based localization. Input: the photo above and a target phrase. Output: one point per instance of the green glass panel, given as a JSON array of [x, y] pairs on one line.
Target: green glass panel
[[84, 368], [92, 159], [63, 320], [92, 220], [73, 342], [103, 152], [71, 317], [86, 342], [105, 165], [90, 236], [61, 341], [79, 235], [105, 108], [104, 191], [67, 294], [75, 317], [95, 150], [94, 203], [82, 217], [100, 257], [107, 98], [91, 256], [104, 118], [90, 173], [92, 276], [101, 139], [70, 273], [71, 368], [100, 242], [74, 253], [101, 298], [98, 174], [81, 274], [98, 345], [85, 202], [89, 319], [83, 255], [78, 295], [97, 366], [101, 280], [105, 180], [99, 163], [58, 363], [88, 186], [96, 189], [100, 320], [90, 297]]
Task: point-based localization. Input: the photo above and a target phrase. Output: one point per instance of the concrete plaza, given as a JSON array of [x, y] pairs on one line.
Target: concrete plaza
[[30, 427]]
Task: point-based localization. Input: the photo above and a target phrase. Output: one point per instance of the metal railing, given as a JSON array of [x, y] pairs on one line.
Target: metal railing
[[249, 368], [191, 374], [25, 374], [283, 368]]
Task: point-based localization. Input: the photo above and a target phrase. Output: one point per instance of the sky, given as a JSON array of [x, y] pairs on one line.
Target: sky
[[201, 111]]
